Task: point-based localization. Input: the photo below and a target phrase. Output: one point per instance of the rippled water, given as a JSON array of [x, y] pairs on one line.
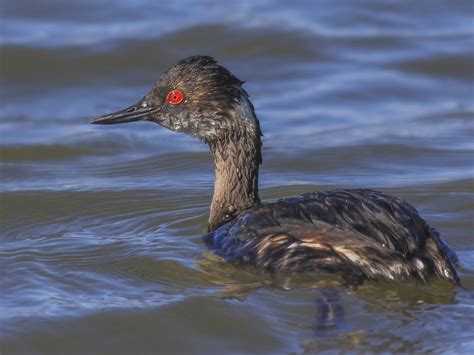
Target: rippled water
[[99, 246]]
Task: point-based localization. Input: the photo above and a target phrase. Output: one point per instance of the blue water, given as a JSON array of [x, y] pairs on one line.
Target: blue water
[[100, 248]]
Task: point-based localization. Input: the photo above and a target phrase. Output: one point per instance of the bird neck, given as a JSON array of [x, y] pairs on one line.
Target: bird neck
[[237, 157]]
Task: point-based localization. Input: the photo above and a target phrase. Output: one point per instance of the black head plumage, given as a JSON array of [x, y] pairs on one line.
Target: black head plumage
[[212, 97]]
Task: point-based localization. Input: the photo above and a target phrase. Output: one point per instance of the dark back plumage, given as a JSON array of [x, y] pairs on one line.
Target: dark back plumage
[[361, 234]]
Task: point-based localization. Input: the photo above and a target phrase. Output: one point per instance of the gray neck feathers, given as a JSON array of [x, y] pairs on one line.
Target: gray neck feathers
[[237, 156]]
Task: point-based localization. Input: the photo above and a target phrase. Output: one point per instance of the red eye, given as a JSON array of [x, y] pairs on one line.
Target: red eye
[[175, 97]]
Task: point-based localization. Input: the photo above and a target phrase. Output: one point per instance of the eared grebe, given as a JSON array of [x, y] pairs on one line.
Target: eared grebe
[[360, 234]]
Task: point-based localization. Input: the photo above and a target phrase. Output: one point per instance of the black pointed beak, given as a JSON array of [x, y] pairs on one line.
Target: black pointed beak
[[137, 112]]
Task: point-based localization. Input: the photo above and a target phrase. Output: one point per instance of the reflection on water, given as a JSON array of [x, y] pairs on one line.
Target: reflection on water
[[100, 245]]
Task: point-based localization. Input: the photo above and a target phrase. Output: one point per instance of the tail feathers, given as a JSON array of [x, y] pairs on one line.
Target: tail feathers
[[444, 259]]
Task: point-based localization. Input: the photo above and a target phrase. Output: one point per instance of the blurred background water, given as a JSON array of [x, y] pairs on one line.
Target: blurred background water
[[99, 237]]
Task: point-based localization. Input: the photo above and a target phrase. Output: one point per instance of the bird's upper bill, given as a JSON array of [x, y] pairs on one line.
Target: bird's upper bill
[[136, 112]]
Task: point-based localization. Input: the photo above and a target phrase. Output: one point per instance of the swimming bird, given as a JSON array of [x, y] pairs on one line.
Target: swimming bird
[[357, 233]]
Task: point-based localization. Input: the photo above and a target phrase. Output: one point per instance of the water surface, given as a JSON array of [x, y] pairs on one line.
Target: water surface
[[100, 248]]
